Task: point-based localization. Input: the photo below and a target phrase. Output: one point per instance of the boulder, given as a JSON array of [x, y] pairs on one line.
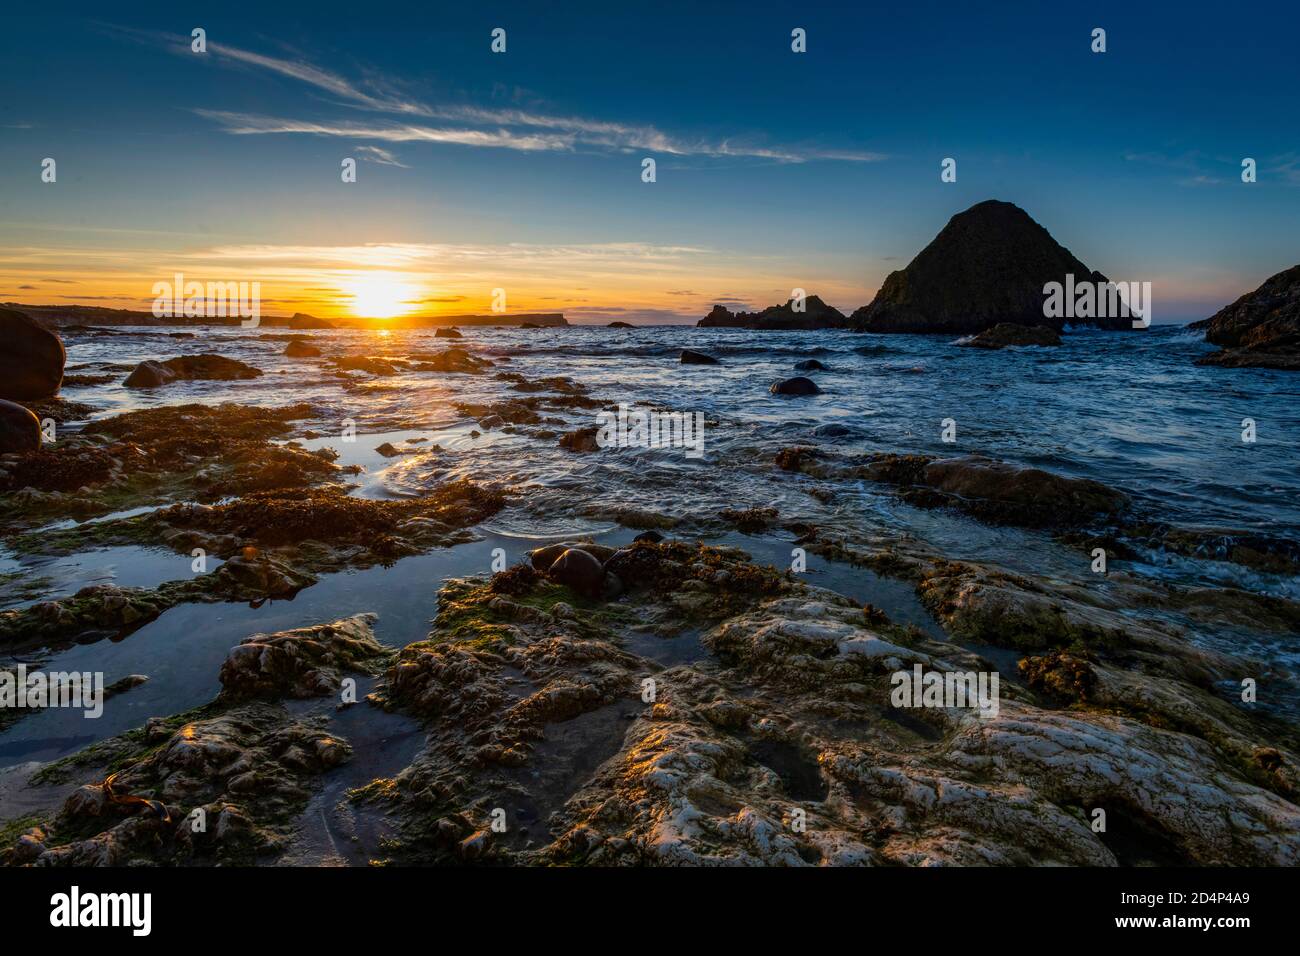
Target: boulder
[[297, 349], [1007, 333], [20, 430], [31, 358], [1261, 329], [579, 571], [149, 374], [205, 366], [795, 386], [690, 357], [988, 265], [447, 333], [809, 365], [620, 325]]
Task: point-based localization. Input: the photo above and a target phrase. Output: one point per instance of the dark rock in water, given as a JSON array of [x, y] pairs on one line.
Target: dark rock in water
[[451, 360], [150, 374], [1259, 330], [20, 430], [580, 571], [1005, 333], [296, 349], [448, 334], [529, 325], [816, 314], [988, 265], [581, 439], [620, 325], [997, 491], [301, 320], [809, 365], [795, 386], [388, 450], [205, 366], [690, 357], [832, 430], [652, 536], [31, 358]]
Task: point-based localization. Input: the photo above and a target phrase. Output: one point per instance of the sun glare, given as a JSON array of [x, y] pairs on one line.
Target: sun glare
[[380, 296]]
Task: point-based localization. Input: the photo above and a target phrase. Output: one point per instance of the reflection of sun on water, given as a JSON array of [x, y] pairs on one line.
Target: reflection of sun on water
[[380, 295]]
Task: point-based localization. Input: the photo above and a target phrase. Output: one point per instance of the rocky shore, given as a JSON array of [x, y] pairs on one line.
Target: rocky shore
[[657, 697]]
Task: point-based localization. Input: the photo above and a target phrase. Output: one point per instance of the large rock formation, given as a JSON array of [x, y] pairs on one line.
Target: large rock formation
[[31, 358], [988, 265], [816, 315], [1261, 329]]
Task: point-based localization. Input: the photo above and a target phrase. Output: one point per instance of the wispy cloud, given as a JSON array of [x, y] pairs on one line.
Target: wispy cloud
[[376, 154], [466, 124]]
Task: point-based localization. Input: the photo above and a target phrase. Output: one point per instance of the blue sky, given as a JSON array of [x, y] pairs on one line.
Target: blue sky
[[522, 170]]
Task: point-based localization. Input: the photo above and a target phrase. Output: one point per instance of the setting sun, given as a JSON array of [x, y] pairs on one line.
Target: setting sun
[[380, 295]]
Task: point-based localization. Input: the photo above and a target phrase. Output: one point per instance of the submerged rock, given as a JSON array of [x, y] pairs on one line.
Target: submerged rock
[[1261, 329], [20, 430], [799, 385], [998, 491], [31, 358], [1005, 333], [691, 357], [448, 333], [809, 365], [987, 266], [298, 349], [620, 325]]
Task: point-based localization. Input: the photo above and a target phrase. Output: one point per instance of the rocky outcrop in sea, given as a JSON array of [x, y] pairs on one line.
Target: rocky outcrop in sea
[[1261, 329], [815, 315], [987, 266]]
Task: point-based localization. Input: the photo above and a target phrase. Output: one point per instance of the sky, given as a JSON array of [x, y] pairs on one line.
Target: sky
[[522, 170]]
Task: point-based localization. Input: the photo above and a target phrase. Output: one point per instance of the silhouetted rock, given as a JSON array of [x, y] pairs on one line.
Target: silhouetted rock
[[31, 358], [620, 325], [690, 357], [1259, 330], [301, 320], [296, 349], [204, 366], [988, 265], [447, 334], [20, 430], [809, 365], [1005, 333], [816, 315], [795, 386]]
